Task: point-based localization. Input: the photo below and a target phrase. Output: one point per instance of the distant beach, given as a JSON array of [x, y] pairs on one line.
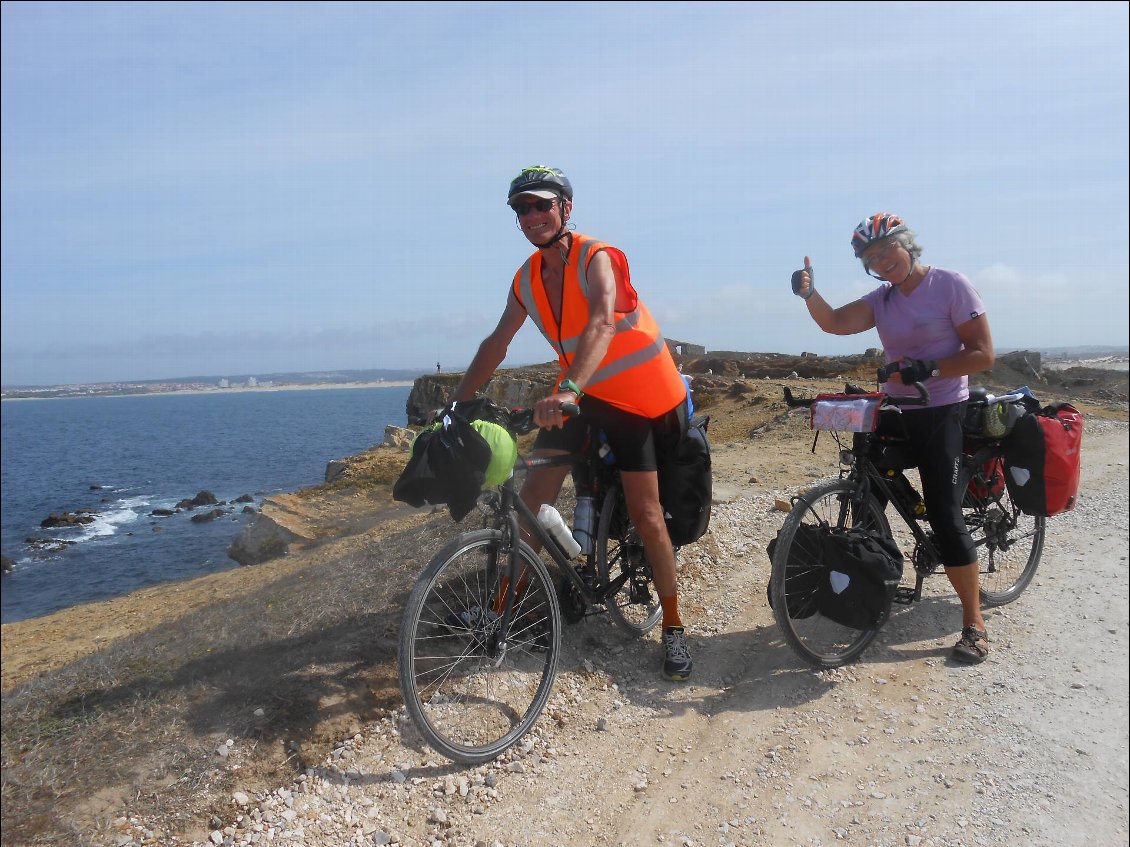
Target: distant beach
[[316, 386], [234, 389]]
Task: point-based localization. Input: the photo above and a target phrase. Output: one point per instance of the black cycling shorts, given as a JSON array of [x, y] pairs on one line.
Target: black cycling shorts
[[936, 444], [636, 441]]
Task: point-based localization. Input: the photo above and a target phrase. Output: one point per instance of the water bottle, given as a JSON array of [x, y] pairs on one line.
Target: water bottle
[[584, 522], [1000, 418], [554, 524], [604, 451]]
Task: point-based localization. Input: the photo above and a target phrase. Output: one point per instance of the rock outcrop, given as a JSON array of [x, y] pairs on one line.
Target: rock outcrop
[[512, 388], [269, 533]]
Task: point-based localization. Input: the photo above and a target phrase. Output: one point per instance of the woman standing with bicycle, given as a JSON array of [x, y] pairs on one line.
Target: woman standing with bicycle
[[614, 364], [931, 321]]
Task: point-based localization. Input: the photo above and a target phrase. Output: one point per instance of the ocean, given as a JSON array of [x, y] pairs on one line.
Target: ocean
[[123, 457]]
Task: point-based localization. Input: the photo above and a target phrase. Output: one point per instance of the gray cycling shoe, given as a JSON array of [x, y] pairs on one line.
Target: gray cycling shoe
[[677, 662]]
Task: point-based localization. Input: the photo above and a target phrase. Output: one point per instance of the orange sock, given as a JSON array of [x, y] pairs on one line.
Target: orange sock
[[671, 611], [519, 589]]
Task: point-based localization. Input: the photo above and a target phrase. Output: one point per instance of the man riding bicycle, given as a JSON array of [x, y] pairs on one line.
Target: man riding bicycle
[[614, 364]]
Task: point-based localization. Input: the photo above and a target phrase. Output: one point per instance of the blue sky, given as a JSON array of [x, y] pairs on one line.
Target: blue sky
[[211, 188]]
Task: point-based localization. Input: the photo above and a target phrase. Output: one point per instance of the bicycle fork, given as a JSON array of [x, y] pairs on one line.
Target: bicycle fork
[[503, 585]]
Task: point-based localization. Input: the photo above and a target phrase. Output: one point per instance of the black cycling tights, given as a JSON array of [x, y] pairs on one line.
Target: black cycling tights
[[936, 444]]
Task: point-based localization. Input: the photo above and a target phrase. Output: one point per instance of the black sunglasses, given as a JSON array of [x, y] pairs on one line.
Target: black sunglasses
[[522, 208]]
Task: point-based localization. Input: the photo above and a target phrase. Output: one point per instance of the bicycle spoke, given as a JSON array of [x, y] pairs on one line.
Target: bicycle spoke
[[1009, 543], [470, 697], [798, 567], [618, 551]]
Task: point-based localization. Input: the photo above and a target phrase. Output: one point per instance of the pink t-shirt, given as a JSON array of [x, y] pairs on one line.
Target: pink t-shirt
[[922, 326]]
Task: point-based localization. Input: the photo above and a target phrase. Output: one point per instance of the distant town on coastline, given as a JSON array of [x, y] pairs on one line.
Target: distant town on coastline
[[370, 376], [212, 383]]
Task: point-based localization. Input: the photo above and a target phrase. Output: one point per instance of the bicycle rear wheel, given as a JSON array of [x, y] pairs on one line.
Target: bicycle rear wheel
[[1009, 542], [796, 569], [470, 697], [635, 607]]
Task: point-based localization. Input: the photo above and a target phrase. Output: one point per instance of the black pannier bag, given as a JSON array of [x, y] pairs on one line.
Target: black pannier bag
[[804, 572], [861, 574], [450, 459], [685, 485]]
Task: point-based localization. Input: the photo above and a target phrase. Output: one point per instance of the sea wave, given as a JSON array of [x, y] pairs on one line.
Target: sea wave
[[114, 516]]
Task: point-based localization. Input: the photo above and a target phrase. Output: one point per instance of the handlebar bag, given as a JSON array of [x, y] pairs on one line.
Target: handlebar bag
[[1042, 460], [467, 449], [861, 573], [685, 485], [846, 412]]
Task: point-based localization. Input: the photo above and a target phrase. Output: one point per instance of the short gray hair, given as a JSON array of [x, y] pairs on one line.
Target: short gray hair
[[905, 239]]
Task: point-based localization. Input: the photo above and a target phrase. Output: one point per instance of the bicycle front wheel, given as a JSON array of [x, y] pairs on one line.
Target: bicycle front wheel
[[1009, 543], [798, 566], [635, 607], [470, 694]]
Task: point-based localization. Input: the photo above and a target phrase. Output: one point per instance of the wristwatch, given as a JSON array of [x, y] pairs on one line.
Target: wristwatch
[[569, 385]]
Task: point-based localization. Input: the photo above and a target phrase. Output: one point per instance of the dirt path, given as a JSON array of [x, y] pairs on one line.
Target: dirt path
[[903, 748]]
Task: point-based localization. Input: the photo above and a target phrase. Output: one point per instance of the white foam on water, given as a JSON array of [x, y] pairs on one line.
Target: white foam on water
[[114, 515]]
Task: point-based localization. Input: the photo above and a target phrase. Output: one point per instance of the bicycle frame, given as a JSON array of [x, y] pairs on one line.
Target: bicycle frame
[[511, 512], [867, 475]]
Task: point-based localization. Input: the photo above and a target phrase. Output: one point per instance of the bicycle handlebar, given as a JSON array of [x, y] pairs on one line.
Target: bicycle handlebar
[[522, 420], [883, 374], [889, 370]]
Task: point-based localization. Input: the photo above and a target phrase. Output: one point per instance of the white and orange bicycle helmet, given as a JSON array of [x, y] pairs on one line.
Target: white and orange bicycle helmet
[[875, 228]]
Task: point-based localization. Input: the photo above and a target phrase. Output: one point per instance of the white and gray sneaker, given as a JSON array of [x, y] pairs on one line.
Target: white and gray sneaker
[[677, 662]]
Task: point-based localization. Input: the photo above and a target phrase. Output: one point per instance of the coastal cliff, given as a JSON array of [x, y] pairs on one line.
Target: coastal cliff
[[511, 388], [299, 520]]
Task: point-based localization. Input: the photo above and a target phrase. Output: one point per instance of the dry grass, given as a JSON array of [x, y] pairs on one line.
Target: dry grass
[[136, 726]]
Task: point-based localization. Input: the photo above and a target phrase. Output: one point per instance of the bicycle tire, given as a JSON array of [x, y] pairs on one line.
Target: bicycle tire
[[469, 703], [618, 545], [818, 641], [1009, 543]]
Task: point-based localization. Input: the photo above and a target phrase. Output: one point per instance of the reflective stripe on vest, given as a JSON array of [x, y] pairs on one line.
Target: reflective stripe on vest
[[650, 363]]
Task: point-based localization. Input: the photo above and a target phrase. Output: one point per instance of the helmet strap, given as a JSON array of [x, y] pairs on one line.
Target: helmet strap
[[913, 265], [561, 233]]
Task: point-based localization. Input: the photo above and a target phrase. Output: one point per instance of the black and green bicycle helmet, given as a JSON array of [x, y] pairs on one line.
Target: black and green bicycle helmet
[[541, 182]]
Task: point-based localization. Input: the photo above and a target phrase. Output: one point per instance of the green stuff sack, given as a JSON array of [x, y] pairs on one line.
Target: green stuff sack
[[453, 460], [503, 452]]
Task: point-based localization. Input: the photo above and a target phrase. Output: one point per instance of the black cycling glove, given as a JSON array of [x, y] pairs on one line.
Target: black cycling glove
[[917, 370], [797, 281]]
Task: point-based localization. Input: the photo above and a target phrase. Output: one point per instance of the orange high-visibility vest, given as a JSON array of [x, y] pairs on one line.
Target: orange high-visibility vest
[[637, 373]]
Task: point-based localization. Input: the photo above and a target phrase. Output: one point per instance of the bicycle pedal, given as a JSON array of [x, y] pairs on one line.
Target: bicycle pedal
[[573, 605], [904, 595]]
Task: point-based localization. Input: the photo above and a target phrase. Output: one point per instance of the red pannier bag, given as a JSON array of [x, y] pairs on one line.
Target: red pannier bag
[[993, 482], [1042, 458]]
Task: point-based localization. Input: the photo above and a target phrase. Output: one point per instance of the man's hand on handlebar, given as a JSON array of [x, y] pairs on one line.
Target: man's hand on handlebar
[[551, 412]]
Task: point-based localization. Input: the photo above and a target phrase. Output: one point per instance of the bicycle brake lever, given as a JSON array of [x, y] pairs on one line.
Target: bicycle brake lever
[[886, 372]]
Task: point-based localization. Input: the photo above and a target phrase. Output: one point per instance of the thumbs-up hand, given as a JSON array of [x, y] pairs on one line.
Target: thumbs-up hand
[[803, 284]]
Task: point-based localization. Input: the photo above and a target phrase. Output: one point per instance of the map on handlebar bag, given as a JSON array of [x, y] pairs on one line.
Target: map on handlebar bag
[[846, 412]]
